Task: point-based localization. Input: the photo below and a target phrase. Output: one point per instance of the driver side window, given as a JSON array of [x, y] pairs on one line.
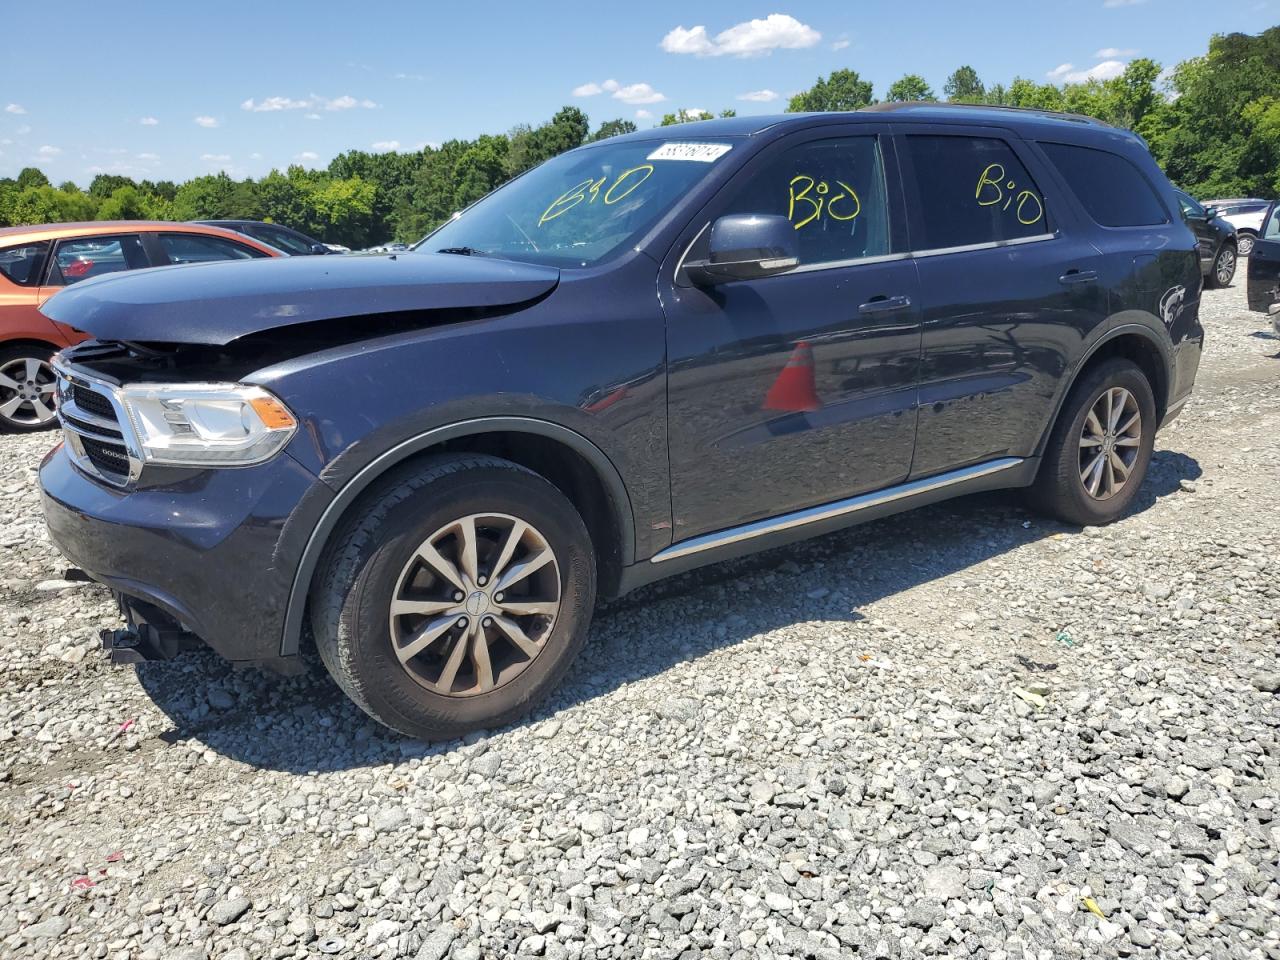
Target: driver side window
[[832, 191]]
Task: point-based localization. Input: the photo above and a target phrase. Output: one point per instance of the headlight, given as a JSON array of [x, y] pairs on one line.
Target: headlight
[[206, 424]]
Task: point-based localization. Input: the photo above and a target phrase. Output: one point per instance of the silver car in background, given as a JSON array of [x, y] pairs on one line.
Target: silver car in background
[[1245, 214]]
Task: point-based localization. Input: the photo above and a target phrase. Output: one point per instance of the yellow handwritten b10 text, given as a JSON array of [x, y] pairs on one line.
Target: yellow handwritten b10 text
[[993, 189], [624, 184], [814, 197]]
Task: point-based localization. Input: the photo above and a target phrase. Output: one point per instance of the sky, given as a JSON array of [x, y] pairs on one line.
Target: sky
[[172, 90]]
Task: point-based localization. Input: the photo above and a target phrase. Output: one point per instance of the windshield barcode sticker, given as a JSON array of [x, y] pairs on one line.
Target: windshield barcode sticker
[[701, 152]]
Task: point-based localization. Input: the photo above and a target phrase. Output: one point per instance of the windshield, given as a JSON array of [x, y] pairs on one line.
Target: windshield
[[578, 208]]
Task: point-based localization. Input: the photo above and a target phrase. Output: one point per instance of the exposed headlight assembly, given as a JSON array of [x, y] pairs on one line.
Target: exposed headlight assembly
[[206, 424]]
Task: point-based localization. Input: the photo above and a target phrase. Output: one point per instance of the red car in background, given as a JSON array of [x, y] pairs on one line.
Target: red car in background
[[36, 262]]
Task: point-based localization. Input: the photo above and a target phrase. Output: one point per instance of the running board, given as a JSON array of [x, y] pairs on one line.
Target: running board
[[828, 511]]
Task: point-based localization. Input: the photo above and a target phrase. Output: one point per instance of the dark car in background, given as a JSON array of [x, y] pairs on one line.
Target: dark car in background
[[295, 243], [1216, 239], [653, 352], [1264, 268]]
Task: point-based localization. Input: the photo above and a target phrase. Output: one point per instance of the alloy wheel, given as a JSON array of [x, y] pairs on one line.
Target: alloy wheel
[[1109, 443], [475, 604], [1245, 242], [1225, 268], [26, 392]]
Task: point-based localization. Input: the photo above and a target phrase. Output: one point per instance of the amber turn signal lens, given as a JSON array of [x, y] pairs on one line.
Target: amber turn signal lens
[[272, 413]]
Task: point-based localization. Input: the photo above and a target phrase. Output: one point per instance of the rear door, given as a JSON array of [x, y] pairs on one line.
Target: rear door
[[1264, 263], [1009, 292]]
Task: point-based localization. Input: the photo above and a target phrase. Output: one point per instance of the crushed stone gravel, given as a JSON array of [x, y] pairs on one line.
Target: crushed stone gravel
[[961, 732]]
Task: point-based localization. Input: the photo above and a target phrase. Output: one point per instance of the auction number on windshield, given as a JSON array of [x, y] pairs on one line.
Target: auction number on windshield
[[811, 198], [994, 190], [589, 190]]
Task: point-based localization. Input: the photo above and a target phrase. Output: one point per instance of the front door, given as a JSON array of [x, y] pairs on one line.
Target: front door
[[1264, 264], [798, 389]]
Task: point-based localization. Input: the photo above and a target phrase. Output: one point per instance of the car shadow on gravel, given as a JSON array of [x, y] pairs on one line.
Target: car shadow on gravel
[[305, 724]]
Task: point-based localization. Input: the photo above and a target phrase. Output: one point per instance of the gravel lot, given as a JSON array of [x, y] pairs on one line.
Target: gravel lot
[[962, 732]]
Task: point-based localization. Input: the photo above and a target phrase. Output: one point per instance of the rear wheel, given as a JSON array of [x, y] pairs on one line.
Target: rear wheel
[[1223, 270], [1098, 453], [26, 389], [1244, 244], [457, 599]]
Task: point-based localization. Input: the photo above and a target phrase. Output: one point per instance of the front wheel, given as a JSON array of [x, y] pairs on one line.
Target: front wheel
[[1098, 453], [26, 389], [1223, 270], [457, 599], [1244, 244]]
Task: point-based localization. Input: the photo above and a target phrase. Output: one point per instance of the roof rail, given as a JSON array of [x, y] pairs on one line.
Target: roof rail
[[891, 106]]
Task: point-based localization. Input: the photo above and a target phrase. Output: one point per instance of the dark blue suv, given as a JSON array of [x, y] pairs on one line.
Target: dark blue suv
[[650, 353]]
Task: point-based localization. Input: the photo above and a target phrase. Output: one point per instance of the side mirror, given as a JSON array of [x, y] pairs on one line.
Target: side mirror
[[746, 246], [319, 248]]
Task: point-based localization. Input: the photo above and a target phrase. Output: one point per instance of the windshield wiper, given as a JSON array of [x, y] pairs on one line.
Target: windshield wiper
[[462, 251]]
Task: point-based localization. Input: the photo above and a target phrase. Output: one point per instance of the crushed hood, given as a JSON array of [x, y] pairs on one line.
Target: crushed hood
[[216, 303]]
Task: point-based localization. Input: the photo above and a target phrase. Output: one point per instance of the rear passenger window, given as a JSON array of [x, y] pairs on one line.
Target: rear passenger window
[[833, 193], [972, 190], [1110, 188], [21, 265]]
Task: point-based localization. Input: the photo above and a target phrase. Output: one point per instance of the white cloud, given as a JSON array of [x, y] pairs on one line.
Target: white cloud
[[314, 116], [148, 157], [48, 152], [410, 76], [255, 156], [637, 93], [643, 114], [208, 122], [307, 155], [23, 130], [751, 38], [839, 44], [383, 146], [216, 157], [1122, 3], [587, 90], [1112, 53], [149, 121], [1067, 72], [313, 103], [759, 96], [15, 108]]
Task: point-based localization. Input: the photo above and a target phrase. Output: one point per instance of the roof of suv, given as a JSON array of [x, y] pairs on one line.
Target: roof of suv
[[1017, 118]]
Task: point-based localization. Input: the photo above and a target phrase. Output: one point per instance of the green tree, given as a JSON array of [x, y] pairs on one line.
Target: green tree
[[965, 86], [480, 169], [130, 203], [31, 177], [216, 196], [911, 87], [613, 128], [840, 90], [105, 184], [47, 205]]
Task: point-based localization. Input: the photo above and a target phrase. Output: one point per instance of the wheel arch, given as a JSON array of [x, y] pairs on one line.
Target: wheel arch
[[1133, 342], [30, 342], [570, 461]]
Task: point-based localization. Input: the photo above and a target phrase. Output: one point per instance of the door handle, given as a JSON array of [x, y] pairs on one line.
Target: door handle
[[884, 305], [1078, 276]]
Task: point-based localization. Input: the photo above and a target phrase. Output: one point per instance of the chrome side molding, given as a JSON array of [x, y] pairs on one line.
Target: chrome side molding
[[799, 518]]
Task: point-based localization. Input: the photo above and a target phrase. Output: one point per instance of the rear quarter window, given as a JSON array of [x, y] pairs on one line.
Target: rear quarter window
[[1111, 189], [21, 264]]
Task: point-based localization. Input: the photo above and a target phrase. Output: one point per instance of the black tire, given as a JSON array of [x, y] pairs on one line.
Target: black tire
[[1058, 490], [22, 419], [350, 602], [1223, 269]]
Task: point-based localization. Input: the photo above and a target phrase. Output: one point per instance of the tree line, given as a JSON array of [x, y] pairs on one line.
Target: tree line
[[1213, 124]]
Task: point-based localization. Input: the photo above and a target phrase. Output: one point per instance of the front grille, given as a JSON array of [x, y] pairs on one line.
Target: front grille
[[92, 402], [109, 458], [97, 439]]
